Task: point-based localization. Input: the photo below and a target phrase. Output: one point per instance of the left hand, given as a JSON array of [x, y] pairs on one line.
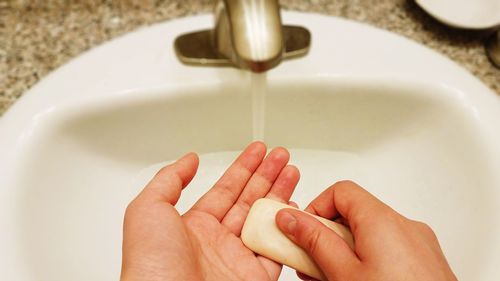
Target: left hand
[[204, 243]]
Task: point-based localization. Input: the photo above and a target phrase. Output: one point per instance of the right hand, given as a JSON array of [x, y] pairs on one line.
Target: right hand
[[388, 246]]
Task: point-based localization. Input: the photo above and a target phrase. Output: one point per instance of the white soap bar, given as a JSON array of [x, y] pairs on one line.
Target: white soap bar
[[261, 235]]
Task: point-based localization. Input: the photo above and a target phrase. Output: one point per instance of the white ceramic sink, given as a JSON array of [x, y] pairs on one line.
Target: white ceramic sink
[[408, 124]]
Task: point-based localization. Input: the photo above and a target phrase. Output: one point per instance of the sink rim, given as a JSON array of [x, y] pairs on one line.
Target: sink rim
[[53, 92]]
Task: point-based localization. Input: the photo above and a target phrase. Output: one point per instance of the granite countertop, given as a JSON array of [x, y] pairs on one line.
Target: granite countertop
[[38, 36]]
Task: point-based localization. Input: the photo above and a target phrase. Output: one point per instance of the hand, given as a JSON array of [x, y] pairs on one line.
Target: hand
[[388, 246], [204, 243]]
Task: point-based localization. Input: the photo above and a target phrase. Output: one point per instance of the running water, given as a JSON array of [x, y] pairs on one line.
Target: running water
[[258, 85]]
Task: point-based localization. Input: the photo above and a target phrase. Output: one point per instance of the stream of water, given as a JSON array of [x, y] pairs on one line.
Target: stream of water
[[258, 87]]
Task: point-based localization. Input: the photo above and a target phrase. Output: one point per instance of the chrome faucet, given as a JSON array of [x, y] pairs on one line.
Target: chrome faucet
[[248, 34]]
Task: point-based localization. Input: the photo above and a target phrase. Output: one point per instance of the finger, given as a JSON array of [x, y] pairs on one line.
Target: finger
[[330, 252], [150, 227], [285, 184], [167, 184], [222, 196], [257, 187], [272, 268], [288, 178], [349, 200], [323, 205]]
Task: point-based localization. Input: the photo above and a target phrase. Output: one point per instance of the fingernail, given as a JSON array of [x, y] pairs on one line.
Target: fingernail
[[287, 223]]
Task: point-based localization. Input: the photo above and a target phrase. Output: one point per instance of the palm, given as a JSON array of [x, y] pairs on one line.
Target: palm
[[225, 252], [204, 243]]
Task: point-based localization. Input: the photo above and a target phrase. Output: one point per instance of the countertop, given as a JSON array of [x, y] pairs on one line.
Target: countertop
[[38, 36]]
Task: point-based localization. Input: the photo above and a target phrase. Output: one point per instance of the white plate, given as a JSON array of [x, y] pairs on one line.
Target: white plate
[[469, 14]]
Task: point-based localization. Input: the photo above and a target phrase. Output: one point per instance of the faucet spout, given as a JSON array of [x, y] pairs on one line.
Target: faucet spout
[[249, 33]]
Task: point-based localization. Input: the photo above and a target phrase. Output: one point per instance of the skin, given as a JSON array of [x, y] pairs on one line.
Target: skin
[[204, 243], [388, 246]]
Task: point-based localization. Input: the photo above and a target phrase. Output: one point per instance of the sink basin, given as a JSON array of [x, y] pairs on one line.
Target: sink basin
[[408, 124]]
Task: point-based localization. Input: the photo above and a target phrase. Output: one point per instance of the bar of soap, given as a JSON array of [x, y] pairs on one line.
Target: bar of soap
[[261, 235]]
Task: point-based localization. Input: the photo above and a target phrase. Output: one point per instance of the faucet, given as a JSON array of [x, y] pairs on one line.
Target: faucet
[[248, 34]]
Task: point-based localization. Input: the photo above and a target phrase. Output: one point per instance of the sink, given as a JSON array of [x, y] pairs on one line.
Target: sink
[[411, 126]]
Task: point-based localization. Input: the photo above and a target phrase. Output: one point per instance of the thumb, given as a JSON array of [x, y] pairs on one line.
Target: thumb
[[167, 184], [150, 229], [330, 252]]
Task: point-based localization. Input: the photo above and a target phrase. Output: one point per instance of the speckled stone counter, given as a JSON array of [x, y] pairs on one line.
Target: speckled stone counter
[[37, 36]]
